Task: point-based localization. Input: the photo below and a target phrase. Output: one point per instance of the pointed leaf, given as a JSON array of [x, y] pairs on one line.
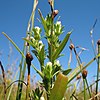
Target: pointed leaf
[[17, 48], [61, 47], [42, 55], [35, 52], [66, 72], [43, 21], [39, 72]]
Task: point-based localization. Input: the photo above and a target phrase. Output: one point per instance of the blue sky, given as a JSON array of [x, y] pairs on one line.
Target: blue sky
[[78, 15]]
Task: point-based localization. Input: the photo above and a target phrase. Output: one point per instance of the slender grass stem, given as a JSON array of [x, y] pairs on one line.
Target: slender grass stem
[[72, 76], [20, 85], [4, 80], [92, 40], [79, 62], [84, 89], [53, 4], [13, 44], [98, 66], [28, 83], [15, 82], [88, 88], [8, 97]]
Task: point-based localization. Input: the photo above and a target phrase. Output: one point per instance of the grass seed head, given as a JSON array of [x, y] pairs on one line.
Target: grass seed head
[[54, 13], [98, 42], [78, 77], [29, 58], [84, 73], [71, 46]]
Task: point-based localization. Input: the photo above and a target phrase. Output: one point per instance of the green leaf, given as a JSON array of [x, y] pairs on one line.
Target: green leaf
[[61, 47], [57, 93], [42, 55], [66, 72], [39, 72], [17, 48], [35, 53], [43, 21]]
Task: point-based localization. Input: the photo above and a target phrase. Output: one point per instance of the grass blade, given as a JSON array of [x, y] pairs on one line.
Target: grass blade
[[13, 44]]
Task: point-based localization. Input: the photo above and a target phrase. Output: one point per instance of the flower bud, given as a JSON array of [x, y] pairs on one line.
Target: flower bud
[[50, 2], [38, 29], [98, 42], [71, 46], [49, 66], [55, 12], [40, 44], [42, 98], [29, 58], [84, 73], [78, 77], [56, 62]]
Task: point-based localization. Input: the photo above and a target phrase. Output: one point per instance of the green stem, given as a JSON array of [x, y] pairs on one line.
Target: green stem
[[75, 73], [88, 88], [19, 90], [98, 66], [28, 83], [84, 89], [79, 62]]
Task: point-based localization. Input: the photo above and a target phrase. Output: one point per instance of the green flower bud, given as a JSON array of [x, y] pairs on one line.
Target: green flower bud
[[38, 29], [57, 63], [58, 28], [37, 32], [49, 66], [40, 44]]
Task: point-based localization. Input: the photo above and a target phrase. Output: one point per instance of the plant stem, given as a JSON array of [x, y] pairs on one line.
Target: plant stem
[[53, 4], [20, 85], [8, 97], [84, 89], [88, 88], [98, 66], [75, 73], [4, 80], [28, 83], [79, 62]]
